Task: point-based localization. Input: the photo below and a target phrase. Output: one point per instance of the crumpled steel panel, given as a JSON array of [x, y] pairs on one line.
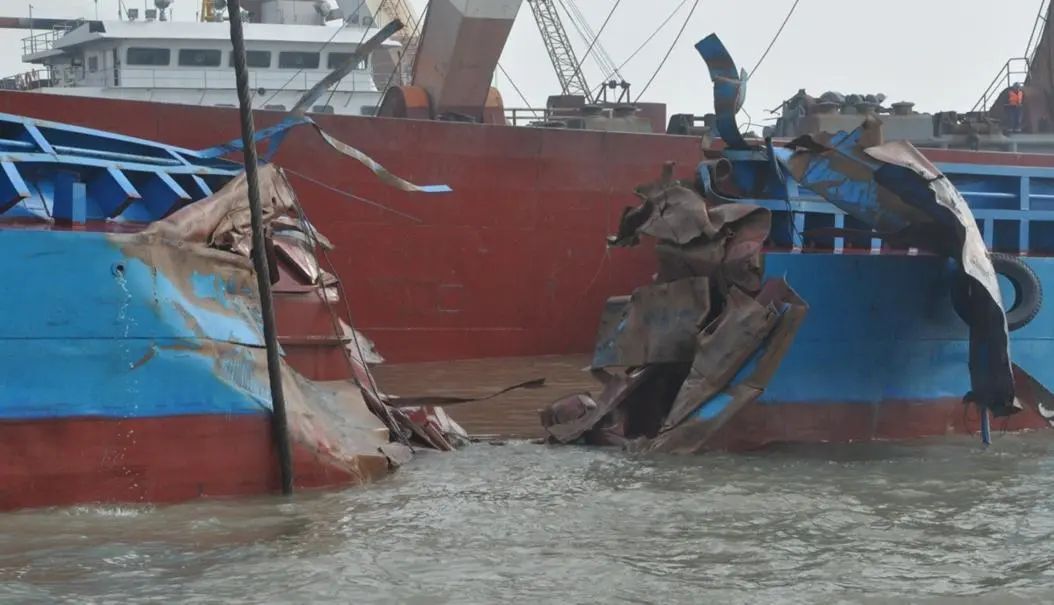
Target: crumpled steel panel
[[893, 187]]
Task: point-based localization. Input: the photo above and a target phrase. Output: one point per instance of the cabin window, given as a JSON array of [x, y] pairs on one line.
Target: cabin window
[[335, 60], [322, 109], [297, 60], [93, 64], [199, 57], [255, 58], [148, 56]]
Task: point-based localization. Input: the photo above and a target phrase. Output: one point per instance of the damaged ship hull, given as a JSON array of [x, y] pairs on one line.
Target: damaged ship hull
[[135, 368], [880, 355], [136, 373]]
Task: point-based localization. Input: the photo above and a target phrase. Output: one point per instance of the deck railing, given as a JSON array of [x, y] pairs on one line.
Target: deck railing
[[29, 80], [1014, 70], [1013, 207], [45, 40]]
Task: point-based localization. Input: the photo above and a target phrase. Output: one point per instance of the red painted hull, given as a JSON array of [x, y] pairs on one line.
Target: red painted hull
[[157, 460], [758, 426]]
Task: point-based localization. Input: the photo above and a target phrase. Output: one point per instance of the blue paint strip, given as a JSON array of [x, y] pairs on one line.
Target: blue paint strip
[[715, 407], [261, 135]]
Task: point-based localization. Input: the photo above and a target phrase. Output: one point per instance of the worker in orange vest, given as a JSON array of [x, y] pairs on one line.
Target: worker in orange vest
[[1015, 98]]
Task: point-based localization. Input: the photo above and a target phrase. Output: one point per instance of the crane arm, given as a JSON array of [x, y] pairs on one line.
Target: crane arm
[[558, 45]]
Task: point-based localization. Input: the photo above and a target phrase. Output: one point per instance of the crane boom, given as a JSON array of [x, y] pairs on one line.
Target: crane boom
[[561, 53]]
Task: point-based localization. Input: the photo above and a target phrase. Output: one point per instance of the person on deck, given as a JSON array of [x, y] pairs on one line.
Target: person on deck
[[1015, 98]]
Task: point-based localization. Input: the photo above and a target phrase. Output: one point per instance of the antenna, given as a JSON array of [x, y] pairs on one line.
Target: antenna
[[162, 6]]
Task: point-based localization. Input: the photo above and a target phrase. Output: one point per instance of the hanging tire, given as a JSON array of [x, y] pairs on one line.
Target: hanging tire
[[1028, 291]]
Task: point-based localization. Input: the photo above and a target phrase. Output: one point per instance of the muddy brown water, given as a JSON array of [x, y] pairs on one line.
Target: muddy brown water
[[931, 521]]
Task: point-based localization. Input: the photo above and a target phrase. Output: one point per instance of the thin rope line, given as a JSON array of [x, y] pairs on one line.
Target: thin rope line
[[670, 50], [774, 38], [589, 50]]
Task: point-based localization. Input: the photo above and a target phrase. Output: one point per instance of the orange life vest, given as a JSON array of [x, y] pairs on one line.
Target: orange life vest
[[1016, 96]]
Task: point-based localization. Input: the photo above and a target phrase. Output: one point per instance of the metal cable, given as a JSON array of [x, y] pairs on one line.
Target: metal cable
[[279, 421], [646, 42], [774, 38], [526, 103], [365, 30], [321, 48], [581, 61], [350, 195], [578, 21], [677, 39], [601, 51], [372, 386]]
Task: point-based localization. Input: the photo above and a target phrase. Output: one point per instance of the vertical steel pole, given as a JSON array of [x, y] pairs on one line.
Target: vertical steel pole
[[279, 422]]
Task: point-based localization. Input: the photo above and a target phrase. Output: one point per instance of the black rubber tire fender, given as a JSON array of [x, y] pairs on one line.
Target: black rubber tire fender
[[1028, 290]]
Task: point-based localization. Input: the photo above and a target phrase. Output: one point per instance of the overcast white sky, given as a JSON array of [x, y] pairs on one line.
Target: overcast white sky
[[940, 54]]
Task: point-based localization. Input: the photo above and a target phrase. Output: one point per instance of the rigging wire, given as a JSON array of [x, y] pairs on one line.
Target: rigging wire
[[774, 38], [589, 50], [526, 103], [322, 48], [677, 39], [646, 42], [585, 31], [582, 31], [365, 30]]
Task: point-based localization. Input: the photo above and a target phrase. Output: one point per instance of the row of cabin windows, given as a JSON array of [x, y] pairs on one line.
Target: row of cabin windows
[[203, 57]]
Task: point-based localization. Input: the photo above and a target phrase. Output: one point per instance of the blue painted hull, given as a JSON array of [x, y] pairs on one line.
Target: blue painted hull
[[103, 333], [880, 354]]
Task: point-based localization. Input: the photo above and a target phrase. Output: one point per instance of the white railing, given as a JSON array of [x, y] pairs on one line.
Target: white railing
[[29, 80], [139, 77], [45, 40]]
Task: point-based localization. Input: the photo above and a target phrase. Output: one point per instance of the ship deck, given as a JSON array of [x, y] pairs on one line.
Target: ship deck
[[512, 415]]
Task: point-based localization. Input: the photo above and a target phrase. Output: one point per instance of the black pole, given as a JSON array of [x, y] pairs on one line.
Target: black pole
[[279, 422]]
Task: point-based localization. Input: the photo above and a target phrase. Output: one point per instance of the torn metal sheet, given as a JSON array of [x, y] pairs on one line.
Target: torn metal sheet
[[697, 238], [277, 132], [657, 325], [669, 211], [222, 220], [722, 349], [730, 88], [443, 400], [892, 186], [567, 419], [713, 410]]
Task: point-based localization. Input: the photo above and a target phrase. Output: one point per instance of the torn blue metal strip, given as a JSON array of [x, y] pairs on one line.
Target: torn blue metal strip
[[729, 89], [278, 133], [261, 135]]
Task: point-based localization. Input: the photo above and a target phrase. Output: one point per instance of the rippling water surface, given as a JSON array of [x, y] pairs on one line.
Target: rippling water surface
[[939, 521]]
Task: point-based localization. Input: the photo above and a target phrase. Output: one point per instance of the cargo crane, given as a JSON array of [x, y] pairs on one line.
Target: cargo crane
[[561, 52]]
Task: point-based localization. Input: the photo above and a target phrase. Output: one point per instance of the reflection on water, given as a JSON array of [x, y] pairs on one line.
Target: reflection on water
[[532, 524]]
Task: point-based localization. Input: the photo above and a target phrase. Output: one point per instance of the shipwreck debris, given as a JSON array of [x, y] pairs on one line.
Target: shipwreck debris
[[681, 356]]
